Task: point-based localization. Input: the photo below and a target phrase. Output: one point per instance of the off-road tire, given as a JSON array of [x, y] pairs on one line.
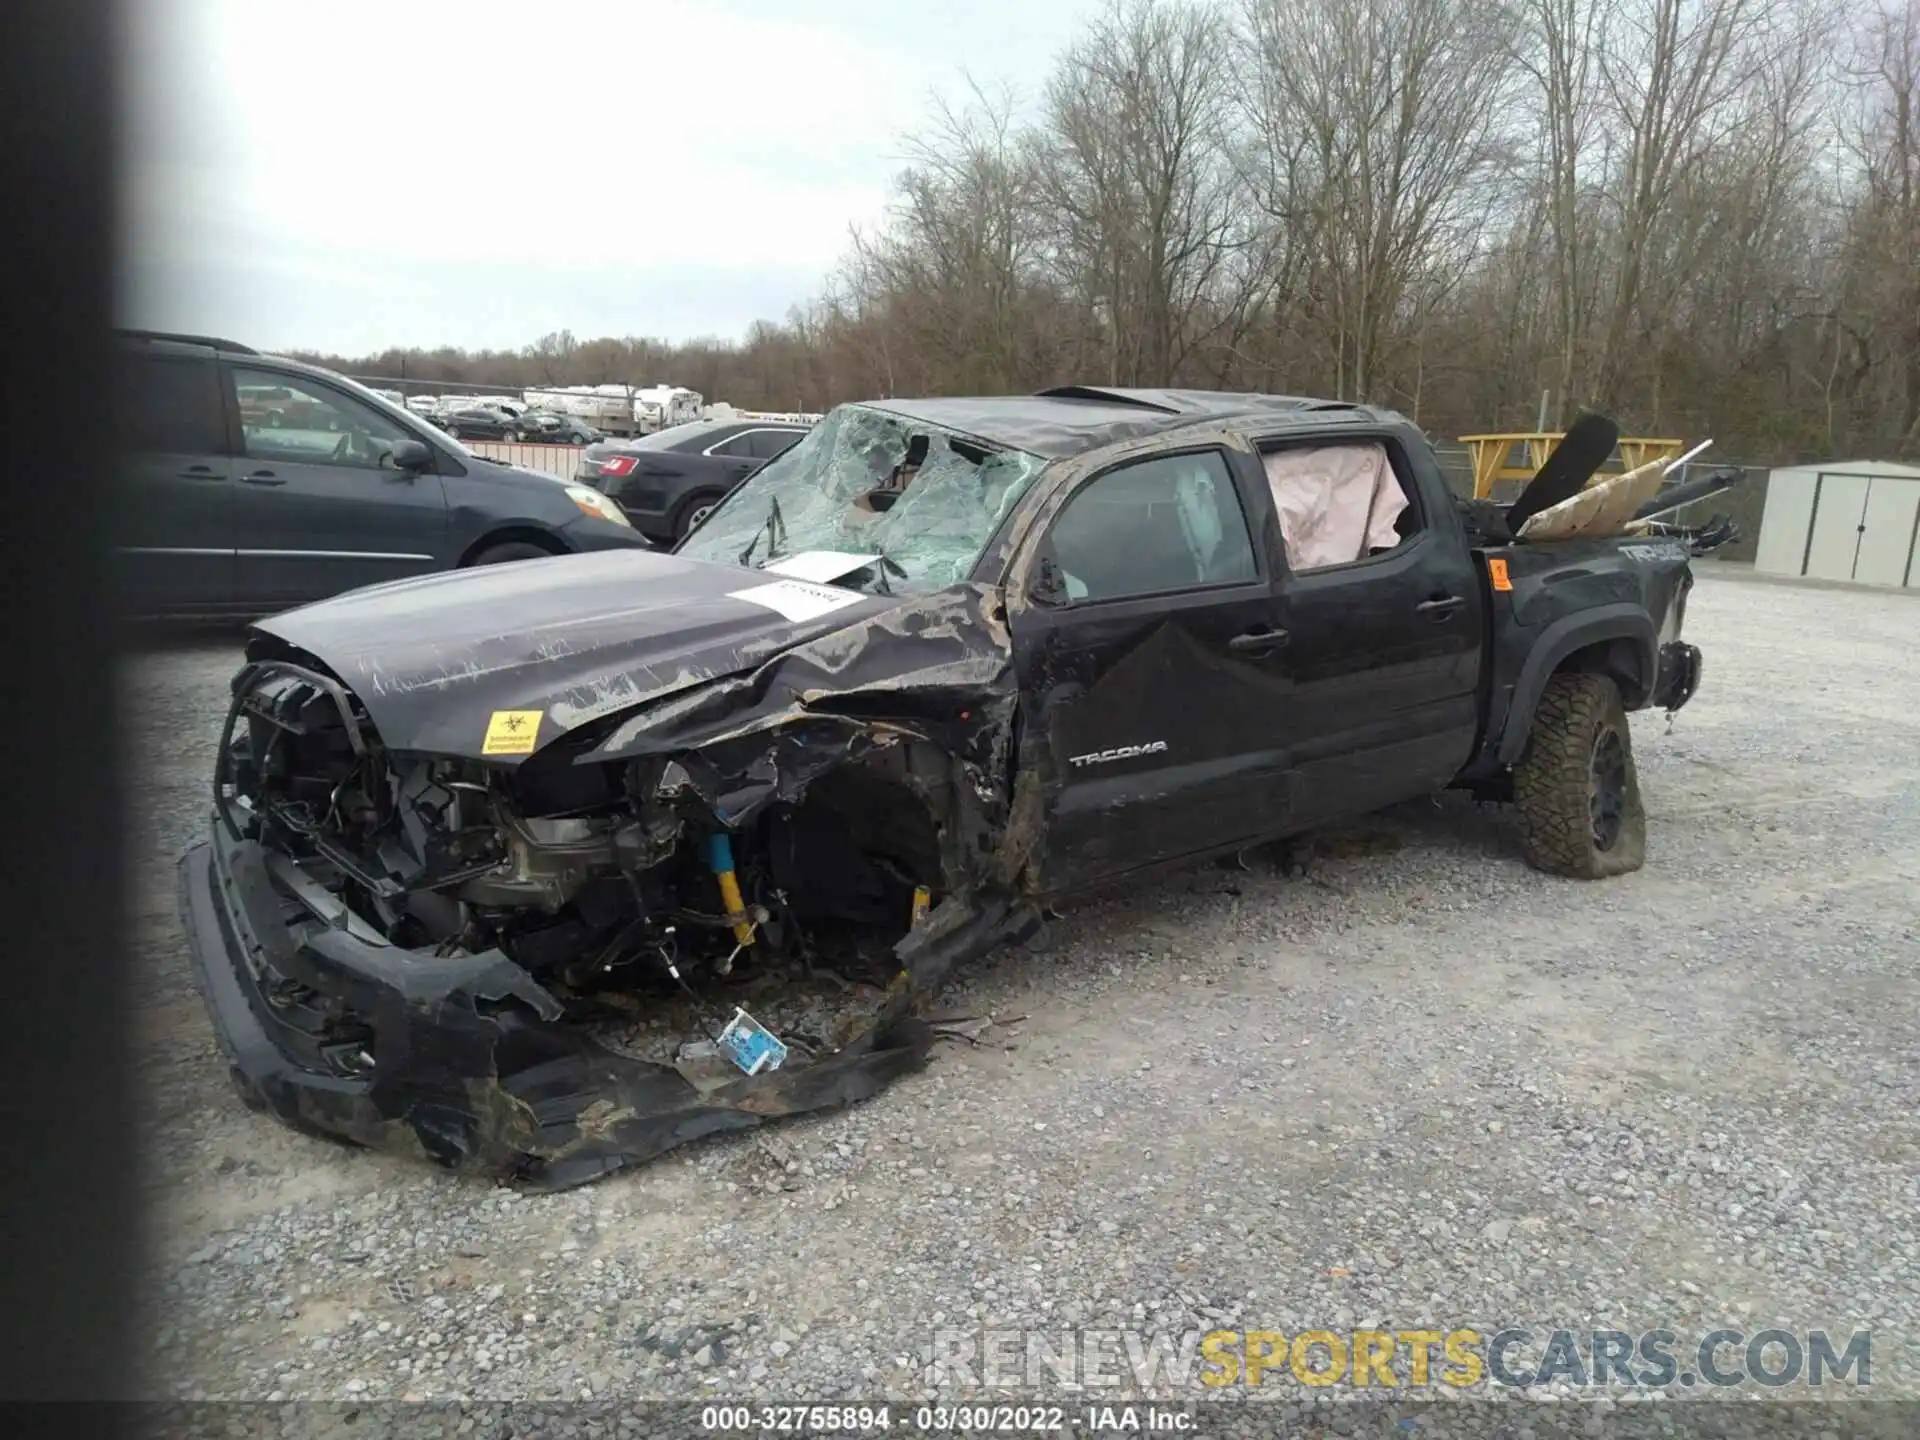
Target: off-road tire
[[1576, 789], [508, 550]]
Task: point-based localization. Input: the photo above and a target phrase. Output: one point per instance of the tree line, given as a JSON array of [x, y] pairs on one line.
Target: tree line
[[1700, 215]]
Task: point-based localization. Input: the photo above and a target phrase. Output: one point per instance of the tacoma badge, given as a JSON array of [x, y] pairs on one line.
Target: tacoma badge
[[1119, 752]]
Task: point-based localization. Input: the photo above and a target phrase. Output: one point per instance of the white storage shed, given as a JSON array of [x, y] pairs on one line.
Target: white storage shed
[[1854, 521]]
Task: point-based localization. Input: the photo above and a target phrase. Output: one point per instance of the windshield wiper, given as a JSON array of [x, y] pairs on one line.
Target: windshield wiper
[[888, 566], [775, 529]]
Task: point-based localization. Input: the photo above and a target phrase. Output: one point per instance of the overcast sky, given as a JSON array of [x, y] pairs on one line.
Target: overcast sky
[[344, 175]]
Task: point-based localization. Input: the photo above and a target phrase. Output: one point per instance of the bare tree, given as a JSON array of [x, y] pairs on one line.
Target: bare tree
[[955, 261], [1557, 46], [1702, 214], [1134, 176], [1883, 139], [1378, 118], [1673, 74]]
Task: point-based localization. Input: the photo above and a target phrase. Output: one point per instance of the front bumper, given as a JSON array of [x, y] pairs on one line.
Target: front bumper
[[590, 532], [469, 1060], [1677, 677], [649, 505]]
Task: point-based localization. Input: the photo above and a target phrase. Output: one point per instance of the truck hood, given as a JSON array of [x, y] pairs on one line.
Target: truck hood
[[576, 638]]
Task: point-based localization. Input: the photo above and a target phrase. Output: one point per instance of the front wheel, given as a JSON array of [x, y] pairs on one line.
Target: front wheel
[[1576, 789]]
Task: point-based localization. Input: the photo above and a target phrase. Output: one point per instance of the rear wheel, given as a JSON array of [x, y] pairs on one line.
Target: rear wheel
[[508, 550], [693, 510], [1576, 789], [454, 431]]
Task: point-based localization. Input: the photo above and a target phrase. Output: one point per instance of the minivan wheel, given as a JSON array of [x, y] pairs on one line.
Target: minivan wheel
[[509, 550]]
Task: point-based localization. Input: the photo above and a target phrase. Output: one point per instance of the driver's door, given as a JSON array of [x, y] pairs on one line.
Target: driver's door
[[1151, 661], [319, 506]]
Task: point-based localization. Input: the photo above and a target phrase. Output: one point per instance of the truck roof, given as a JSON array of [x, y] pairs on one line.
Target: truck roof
[[1071, 419]]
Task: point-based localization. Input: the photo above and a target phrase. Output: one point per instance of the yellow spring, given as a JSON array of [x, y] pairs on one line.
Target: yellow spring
[[736, 906]]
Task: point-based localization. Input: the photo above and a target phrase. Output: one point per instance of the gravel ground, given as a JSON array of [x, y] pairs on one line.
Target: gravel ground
[[1426, 1088]]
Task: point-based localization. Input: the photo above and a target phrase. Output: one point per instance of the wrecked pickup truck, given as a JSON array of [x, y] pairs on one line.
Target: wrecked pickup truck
[[543, 869]]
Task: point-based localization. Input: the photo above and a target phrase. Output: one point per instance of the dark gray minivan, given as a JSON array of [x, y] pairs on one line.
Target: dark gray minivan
[[251, 483]]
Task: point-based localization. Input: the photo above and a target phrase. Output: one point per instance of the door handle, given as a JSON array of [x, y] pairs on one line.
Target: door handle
[[1440, 606], [263, 477], [1258, 642], [200, 472]]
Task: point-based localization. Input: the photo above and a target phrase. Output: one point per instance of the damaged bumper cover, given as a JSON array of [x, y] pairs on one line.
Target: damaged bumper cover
[[407, 946], [1677, 677], [468, 1061]]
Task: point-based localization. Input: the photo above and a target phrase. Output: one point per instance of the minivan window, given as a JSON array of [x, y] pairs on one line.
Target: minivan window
[[175, 407], [312, 425]]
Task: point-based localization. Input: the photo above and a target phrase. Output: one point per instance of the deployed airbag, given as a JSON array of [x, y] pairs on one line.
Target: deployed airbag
[[1336, 503]]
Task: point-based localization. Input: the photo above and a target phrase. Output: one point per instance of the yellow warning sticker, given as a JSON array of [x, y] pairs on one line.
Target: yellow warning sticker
[[1497, 572], [512, 732]]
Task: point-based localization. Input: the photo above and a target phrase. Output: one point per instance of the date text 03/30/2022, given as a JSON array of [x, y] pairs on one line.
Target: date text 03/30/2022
[[935, 1419]]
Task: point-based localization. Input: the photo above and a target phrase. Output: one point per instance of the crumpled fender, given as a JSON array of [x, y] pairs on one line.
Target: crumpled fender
[[494, 1089]]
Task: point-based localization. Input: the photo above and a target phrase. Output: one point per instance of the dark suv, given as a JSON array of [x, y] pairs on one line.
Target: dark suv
[[251, 483], [669, 481]]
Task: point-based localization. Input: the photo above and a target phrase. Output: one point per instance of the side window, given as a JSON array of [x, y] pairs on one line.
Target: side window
[[1173, 522], [174, 406], [738, 446], [772, 444], [293, 420], [1339, 504]]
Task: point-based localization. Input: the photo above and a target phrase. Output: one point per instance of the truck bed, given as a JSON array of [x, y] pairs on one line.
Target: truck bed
[[1614, 605]]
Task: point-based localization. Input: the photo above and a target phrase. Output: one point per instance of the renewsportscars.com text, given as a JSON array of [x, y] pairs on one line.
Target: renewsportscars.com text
[[1462, 1358]]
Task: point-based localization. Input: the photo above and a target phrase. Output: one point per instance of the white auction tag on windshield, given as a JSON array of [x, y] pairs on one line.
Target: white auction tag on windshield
[[821, 565], [798, 599]]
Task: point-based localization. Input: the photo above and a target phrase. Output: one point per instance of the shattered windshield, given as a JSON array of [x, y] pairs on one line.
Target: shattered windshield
[[924, 499]]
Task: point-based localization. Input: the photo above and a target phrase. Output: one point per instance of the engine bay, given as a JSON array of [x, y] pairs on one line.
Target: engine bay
[[613, 885]]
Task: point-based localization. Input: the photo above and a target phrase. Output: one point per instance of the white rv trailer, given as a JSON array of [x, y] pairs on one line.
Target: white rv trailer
[[608, 408], [659, 406]]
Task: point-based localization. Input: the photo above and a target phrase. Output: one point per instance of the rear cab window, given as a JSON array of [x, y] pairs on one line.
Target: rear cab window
[[1342, 503]]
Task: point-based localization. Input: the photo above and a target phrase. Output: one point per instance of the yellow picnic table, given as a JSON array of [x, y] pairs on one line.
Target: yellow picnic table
[[1490, 454]]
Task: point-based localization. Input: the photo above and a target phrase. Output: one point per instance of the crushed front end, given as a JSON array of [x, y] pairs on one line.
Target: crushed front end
[[527, 969]]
